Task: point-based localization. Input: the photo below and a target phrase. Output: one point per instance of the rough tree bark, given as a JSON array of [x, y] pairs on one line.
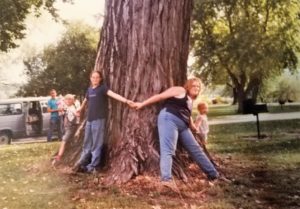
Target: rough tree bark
[[143, 51]]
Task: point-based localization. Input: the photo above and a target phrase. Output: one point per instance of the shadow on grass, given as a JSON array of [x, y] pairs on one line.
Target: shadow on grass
[[261, 187], [266, 172]]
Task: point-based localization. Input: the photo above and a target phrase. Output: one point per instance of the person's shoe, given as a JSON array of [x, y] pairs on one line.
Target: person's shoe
[[92, 171], [78, 168], [171, 185], [223, 178], [55, 160]]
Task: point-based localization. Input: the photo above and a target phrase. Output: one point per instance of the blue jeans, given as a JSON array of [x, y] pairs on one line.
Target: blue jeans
[[92, 144], [170, 128], [54, 123]]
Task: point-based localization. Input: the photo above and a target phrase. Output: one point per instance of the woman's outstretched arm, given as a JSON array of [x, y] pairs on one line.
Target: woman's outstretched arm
[[170, 92]]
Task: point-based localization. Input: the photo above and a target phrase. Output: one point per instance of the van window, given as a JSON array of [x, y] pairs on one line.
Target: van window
[[11, 109], [44, 105]]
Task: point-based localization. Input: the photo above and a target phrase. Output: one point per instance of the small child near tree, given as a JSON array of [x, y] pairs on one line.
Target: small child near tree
[[70, 125], [201, 121]]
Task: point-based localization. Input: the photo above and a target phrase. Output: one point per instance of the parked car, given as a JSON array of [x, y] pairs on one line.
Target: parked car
[[23, 117]]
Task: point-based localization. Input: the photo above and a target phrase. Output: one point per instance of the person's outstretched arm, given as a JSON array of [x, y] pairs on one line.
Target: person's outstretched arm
[[118, 97], [170, 92]]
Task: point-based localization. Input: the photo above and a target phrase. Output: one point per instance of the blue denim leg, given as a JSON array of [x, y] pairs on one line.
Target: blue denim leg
[[168, 136], [191, 145], [87, 144], [53, 124], [97, 143]]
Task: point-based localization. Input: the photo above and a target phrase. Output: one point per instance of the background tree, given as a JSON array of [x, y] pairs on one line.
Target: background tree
[[64, 66], [242, 43], [284, 88]]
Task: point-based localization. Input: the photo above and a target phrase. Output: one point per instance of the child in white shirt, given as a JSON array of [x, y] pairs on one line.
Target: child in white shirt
[[201, 121], [70, 124]]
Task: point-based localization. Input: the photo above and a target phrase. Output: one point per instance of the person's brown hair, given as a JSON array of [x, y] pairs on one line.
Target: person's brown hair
[[96, 71], [52, 90]]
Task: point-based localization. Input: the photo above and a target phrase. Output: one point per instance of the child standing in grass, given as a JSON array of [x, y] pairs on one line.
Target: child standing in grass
[[201, 121], [69, 123]]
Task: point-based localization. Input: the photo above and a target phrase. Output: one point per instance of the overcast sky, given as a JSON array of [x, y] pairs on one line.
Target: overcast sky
[[44, 30]]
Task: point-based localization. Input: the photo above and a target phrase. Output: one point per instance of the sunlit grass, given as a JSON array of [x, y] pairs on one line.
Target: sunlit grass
[[27, 180], [265, 174]]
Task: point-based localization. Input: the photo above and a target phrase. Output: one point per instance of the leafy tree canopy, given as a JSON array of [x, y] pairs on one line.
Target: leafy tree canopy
[[64, 66], [12, 19], [243, 42]]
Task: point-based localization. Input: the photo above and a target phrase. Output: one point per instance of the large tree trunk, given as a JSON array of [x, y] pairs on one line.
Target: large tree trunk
[[143, 51]]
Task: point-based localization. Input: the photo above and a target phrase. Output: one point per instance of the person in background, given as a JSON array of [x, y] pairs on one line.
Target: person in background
[[61, 105], [70, 125], [54, 118], [201, 122]]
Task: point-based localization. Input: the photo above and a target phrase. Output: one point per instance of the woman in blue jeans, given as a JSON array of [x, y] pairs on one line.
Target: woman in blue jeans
[[174, 121], [97, 101]]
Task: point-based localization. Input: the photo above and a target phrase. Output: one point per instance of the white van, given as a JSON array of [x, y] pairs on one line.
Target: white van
[[23, 117]]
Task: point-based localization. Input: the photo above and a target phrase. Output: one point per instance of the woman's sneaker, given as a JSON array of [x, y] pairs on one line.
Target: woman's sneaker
[[171, 185], [55, 160]]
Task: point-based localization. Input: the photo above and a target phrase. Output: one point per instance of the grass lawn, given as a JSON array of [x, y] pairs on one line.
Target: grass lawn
[[26, 180], [265, 174], [267, 171]]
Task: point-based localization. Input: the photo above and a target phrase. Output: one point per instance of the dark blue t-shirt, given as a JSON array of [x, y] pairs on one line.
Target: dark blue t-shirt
[[97, 102]]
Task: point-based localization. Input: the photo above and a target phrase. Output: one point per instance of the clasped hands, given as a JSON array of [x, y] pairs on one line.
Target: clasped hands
[[135, 105]]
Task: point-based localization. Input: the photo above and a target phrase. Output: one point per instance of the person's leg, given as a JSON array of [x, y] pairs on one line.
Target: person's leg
[[191, 145], [61, 149], [50, 132], [98, 139], [87, 145], [168, 136], [69, 133], [59, 129]]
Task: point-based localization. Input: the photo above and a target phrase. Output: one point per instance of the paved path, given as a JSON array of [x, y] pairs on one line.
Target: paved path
[[250, 118]]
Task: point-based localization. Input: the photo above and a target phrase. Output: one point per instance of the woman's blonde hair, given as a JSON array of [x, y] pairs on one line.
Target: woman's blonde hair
[[189, 84]]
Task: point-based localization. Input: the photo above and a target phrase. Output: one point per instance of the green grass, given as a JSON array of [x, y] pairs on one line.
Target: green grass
[[266, 171], [26, 180], [222, 110], [265, 175]]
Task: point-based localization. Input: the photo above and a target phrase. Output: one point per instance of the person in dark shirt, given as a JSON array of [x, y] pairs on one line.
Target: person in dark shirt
[[174, 121], [97, 108]]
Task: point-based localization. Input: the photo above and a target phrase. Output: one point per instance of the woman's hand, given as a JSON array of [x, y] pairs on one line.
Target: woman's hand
[[193, 127], [130, 103], [138, 105]]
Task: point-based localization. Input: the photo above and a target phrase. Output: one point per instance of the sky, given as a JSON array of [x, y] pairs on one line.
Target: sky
[[41, 32]]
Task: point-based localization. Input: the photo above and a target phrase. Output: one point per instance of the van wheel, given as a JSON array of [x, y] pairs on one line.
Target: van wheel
[[5, 138]]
